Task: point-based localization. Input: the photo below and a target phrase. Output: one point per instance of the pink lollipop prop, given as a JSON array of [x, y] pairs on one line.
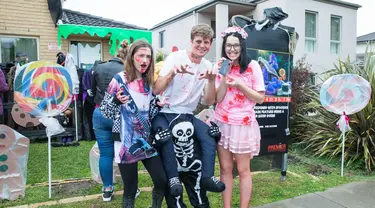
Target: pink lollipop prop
[[345, 94]]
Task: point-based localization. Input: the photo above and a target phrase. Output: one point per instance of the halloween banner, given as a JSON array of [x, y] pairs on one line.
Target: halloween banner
[[271, 49]]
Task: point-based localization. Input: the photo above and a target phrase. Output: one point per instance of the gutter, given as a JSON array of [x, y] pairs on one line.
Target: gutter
[[366, 41], [341, 3]]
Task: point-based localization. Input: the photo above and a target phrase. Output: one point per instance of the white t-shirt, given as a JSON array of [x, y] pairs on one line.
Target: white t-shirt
[[185, 90]]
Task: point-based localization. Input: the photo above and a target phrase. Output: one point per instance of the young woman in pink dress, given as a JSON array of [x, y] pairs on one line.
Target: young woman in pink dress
[[237, 93]]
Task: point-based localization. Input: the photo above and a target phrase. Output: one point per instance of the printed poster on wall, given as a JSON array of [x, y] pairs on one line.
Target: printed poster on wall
[[271, 49]]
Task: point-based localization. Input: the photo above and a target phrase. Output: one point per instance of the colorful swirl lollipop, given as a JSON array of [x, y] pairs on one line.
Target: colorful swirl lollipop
[[43, 88], [345, 93]]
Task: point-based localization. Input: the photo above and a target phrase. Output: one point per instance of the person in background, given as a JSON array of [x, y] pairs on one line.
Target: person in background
[[3, 88], [21, 59], [238, 91], [102, 76]]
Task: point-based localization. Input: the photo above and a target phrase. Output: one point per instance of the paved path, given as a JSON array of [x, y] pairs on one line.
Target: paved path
[[353, 195]]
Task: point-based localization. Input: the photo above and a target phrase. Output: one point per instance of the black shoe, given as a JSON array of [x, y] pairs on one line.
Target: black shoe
[[127, 202], [157, 199], [175, 187], [107, 196], [212, 184]]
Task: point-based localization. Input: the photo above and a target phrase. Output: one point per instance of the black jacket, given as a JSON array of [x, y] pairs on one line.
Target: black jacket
[[102, 76]]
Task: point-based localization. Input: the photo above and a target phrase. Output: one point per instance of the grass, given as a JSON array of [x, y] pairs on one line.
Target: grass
[[306, 175], [67, 162]]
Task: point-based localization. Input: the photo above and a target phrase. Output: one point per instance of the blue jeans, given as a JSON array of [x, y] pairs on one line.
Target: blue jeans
[[103, 132]]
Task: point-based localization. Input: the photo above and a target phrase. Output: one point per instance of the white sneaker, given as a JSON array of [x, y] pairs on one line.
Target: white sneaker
[[107, 196], [138, 192]]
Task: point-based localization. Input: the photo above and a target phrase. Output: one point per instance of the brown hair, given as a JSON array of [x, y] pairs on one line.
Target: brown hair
[[203, 30], [130, 69], [123, 50]]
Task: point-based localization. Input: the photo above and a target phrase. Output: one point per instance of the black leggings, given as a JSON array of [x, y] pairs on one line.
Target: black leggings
[[129, 175]]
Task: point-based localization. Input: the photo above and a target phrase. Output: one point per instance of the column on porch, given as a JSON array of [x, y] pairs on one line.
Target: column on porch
[[222, 19]]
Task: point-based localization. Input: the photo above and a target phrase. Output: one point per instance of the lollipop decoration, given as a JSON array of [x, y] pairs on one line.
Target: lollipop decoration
[[345, 94], [44, 89]]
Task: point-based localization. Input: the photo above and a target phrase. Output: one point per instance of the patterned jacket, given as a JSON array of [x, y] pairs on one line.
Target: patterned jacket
[[111, 109]]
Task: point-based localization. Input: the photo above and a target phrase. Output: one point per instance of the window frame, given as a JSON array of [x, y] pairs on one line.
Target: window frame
[[85, 41], [162, 39], [340, 35], [315, 40], [25, 37]]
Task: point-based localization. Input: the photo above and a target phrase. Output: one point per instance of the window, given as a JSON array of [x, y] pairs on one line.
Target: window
[[85, 53], [9, 46], [213, 26], [310, 31], [161, 39], [335, 34]]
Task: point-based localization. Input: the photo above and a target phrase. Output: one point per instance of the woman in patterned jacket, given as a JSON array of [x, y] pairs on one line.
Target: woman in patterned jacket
[[128, 103]]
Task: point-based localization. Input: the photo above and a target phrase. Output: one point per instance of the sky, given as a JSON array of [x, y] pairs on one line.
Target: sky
[[153, 12]]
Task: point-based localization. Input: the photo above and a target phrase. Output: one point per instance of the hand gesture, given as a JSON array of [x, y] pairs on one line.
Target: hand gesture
[[234, 82], [183, 69], [162, 101], [210, 74], [121, 97]]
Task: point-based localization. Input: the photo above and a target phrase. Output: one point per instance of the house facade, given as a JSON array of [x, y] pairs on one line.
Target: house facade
[[327, 29], [35, 31], [41, 29], [365, 42]]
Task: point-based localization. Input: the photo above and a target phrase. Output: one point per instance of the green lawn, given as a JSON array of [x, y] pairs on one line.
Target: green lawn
[[73, 162], [67, 162]]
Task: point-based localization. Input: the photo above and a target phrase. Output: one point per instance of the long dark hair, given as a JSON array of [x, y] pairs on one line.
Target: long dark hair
[[130, 69], [244, 59]]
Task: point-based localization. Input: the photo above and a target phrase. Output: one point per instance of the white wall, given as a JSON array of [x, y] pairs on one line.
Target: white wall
[[176, 34], [322, 59], [361, 47], [204, 18]]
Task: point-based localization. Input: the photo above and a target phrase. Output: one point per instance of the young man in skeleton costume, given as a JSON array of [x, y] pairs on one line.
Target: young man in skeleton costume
[[184, 80]]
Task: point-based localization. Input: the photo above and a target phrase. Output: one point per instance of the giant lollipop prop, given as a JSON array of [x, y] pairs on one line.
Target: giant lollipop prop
[[345, 94], [44, 89]]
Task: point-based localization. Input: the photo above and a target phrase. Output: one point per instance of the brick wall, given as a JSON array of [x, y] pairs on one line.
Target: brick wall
[[31, 18]]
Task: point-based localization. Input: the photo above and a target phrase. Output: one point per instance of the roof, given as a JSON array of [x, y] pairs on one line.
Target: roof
[[78, 18], [204, 5], [367, 37], [342, 3]]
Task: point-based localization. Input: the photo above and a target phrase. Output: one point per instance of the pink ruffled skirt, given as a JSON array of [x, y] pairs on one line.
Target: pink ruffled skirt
[[240, 139]]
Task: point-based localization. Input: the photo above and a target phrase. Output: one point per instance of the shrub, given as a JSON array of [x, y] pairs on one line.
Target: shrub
[[160, 56], [301, 81]]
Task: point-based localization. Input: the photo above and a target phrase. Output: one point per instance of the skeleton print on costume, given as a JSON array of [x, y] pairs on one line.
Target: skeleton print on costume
[[188, 160], [183, 141]]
